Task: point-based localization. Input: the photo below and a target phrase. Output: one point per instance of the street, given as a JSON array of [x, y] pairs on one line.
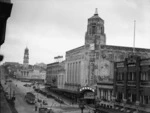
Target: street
[[23, 107]]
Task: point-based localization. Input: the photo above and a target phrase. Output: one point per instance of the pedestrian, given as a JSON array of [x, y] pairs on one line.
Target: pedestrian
[[35, 107]]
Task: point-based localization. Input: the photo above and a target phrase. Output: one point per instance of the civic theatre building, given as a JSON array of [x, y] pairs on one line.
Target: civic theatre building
[[132, 84], [92, 64]]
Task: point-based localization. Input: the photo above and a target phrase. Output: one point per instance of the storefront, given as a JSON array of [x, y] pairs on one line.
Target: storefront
[[87, 94]]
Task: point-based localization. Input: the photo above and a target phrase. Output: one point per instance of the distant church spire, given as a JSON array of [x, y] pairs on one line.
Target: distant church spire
[[96, 11]]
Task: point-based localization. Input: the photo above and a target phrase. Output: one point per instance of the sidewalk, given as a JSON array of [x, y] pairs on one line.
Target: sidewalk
[[4, 107], [65, 100]]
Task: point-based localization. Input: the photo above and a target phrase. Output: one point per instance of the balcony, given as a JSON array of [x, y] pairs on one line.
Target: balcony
[[131, 83], [145, 83], [120, 82]]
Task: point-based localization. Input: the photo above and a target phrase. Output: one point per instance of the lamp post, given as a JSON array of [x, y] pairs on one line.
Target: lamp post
[[137, 106], [81, 105]]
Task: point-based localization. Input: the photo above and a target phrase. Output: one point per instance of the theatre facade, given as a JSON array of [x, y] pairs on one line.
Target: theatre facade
[[92, 64]]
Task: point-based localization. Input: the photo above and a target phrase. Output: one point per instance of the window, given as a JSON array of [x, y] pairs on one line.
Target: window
[[146, 99], [93, 29], [144, 76], [128, 75], [122, 76], [133, 76], [133, 97]]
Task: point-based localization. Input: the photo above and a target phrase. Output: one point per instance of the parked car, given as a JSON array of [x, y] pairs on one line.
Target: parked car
[[45, 102], [27, 85], [45, 110], [8, 80]]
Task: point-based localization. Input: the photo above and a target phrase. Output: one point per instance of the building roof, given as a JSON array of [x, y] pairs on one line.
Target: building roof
[[95, 16], [111, 47], [75, 49]]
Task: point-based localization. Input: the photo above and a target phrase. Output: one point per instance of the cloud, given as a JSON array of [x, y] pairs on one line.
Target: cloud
[[52, 27]]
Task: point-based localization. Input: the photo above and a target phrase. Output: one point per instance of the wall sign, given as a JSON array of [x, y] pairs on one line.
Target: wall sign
[[87, 88]]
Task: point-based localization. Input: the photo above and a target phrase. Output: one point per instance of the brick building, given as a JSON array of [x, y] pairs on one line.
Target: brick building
[[132, 83]]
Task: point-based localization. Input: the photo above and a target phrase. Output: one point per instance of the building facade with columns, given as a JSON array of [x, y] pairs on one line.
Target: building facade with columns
[[132, 84], [28, 72], [93, 63]]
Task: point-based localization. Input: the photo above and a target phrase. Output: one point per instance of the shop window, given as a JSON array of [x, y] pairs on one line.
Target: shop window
[[129, 97], [133, 97], [146, 99]]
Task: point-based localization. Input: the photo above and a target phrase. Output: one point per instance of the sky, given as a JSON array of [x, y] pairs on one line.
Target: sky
[[51, 27]]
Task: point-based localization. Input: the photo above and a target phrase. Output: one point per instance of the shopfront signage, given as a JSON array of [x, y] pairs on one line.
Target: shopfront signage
[[87, 88], [120, 64], [145, 62], [89, 95]]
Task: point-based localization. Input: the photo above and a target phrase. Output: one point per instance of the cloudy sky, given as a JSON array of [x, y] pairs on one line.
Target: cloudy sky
[[51, 27]]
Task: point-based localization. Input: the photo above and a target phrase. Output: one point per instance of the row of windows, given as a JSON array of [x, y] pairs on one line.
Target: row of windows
[[145, 99], [94, 29], [55, 70], [131, 76], [105, 94]]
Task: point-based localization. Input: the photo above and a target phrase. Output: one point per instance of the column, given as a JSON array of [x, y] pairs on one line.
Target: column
[[68, 73], [108, 94], [76, 73], [79, 72], [102, 94], [72, 72], [71, 77]]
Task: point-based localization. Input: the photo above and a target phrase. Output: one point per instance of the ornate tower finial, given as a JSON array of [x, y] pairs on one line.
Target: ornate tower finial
[[96, 11]]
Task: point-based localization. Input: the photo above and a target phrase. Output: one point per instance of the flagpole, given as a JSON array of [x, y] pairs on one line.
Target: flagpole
[[134, 38]]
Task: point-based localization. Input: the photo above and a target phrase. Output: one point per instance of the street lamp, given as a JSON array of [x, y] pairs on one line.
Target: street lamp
[[81, 105], [137, 106]]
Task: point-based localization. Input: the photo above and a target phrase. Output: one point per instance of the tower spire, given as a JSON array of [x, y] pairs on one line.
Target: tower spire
[[96, 11]]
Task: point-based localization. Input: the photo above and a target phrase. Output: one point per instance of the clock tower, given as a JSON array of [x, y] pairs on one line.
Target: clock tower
[[95, 31], [26, 57]]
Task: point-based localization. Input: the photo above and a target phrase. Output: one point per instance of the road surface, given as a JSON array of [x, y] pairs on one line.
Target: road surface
[[23, 107]]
